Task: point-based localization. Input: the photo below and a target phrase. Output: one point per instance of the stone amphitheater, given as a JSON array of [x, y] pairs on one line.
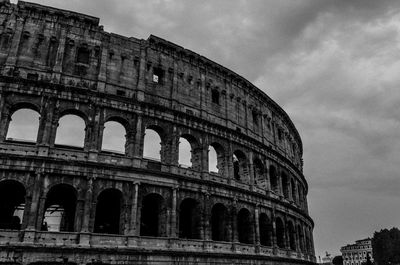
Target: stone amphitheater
[[240, 198]]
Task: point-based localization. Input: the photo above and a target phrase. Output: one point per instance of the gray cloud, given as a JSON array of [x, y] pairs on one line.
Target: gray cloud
[[333, 65]]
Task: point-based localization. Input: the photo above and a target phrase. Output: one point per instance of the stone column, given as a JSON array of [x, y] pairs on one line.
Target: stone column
[[173, 232], [257, 228], [14, 47], [4, 123], [57, 69], [134, 208], [142, 72], [33, 211], [88, 205], [79, 212], [251, 170], [139, 137], [102, 76], [206, 216], [130, 143], [274, 239], [229, 162], [234, 229]]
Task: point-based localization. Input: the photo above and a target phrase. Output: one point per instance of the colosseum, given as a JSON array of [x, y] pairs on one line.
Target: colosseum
[[238, 197]]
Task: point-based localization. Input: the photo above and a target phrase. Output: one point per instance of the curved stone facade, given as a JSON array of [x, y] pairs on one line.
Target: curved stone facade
[[123, 208]]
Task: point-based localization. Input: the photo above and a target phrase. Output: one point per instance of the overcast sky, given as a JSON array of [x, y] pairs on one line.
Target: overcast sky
[[334, 67]]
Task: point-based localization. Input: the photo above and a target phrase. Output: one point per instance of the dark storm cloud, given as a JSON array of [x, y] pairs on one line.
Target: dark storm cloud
[[334, 67]]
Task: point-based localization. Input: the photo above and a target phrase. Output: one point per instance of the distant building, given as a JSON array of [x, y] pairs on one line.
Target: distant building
[[326, 260], [357, 253]]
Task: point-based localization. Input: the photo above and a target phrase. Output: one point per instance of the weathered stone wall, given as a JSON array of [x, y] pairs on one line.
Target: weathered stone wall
[[55, 62]]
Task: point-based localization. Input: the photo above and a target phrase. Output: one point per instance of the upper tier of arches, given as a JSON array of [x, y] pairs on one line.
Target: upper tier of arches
[[154, 71]]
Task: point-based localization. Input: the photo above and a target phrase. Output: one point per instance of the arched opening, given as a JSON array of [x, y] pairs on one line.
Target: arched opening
[[293, 187], [240, 166], [185, 152], [300, 194], [215, 96], [215, 158], [265, 230], [219, 223], [300, 236], [71, 131], [12, 204], [24, 126], [108, 212], [273, 178], [245, 227], [259, 173], [152, 145], [114, 138], [292, 236], [285, 185], [280, 233], [83, 55], [308, 241], [153, 216], [189, 219], [60, 207]]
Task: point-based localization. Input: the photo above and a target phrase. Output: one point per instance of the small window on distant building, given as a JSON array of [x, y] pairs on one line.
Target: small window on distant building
[[215, 96], [120, 92], [158, 75], [83, 55]]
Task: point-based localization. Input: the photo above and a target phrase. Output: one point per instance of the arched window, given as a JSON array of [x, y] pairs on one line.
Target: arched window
[[152, 145], [245, 227], [293, 187], [280, 233], [259, 173], [292, 236], [215, 158], [189, 219], [71, 131], [300, 236], [300, 194], [24, 126], [240, 166], [153, 216], [108, 212], [265, 230], [185, 152], [273, 178], [215, 96], [114, 137], [219, 223], [83, 55], [285, 185], [12, 204], [60, 209]]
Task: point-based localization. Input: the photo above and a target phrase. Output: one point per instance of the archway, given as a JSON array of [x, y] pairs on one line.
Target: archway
[[153, 216], [71, 131], [152, 144], [189, 219], [60, 209], [12, 204], [280, 233], [265, 230], [245, 227], [23, 126], [114, 138], [108, 212], [219, 223]]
